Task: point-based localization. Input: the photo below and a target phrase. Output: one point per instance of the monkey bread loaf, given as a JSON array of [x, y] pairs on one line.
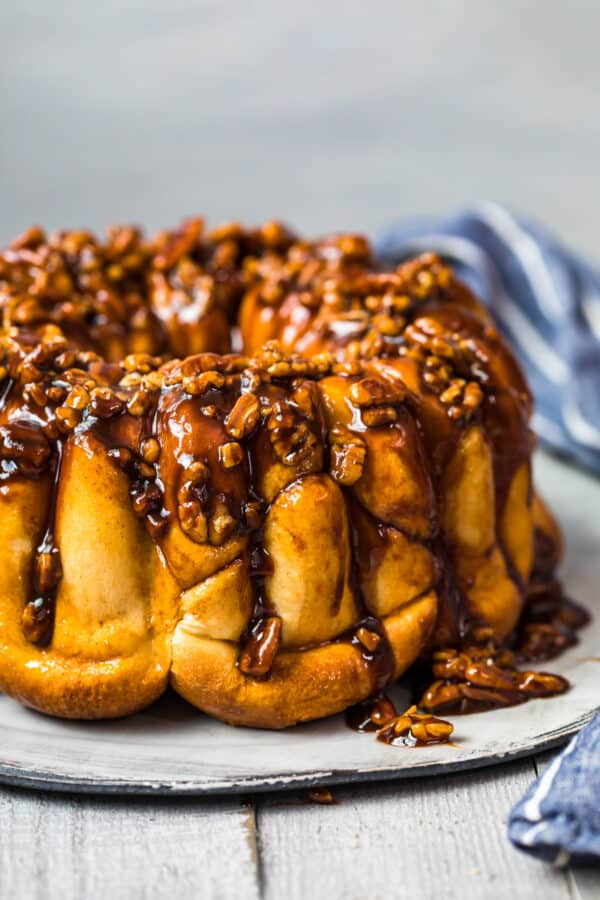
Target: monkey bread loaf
[[276, 532]]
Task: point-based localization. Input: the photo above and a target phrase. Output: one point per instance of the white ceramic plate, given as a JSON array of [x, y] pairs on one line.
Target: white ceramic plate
[[170, 748]]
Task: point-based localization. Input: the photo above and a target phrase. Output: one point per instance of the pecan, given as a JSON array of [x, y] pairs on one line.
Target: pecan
[[254, 514], [221, 524], [104, 403], [178, 244], [369, 639], [190, 498], [379, 415], [376, 391], [29, 238], [66, 360], [67, 419], [150, 450], [412, 728], [243, 417], [34, 393], [37, 621], [139, 362], [484, 677], [48, 570], [146, 470], [78, 397], [260, 648], [230, 454], [139, 403], [147, 498], [293, 441], [199, 384], [347, 455]]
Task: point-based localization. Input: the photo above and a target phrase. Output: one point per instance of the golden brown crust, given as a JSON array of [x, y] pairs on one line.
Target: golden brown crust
[[279, 534], [303, 684]]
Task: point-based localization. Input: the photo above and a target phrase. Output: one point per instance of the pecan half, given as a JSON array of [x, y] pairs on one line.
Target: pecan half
[[243, 417], [190, 498]]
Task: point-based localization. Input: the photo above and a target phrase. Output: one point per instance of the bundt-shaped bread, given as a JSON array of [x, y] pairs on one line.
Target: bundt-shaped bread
[[279, 532]]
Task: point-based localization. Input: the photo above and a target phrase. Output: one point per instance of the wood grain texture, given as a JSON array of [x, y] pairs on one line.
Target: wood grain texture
[[584, 884], [432, 838], [60, 847], [439, 837]]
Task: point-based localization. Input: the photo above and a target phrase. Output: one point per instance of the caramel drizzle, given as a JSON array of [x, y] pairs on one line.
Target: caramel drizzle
[[39, 612], [424, 281]]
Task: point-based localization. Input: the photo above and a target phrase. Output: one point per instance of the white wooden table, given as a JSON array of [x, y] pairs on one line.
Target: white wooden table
[[432, 838]]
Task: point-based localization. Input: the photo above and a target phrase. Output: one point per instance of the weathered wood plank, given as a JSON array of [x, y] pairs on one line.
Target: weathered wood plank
[[57, 847], [424, 838], [585, 884]]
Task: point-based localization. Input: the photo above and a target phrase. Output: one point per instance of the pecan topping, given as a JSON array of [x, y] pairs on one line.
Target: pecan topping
[[150, 450], [243, 417], [67, 419], [480, 678], [190, 498], [104, 403], [200, 384], [376, 392], [27, 446], [222, 523], [47, 570], [347, 455], [259, 651], [37, 621], [230, 454], [293, 440], [379, 415], [412, 729], [369, 639]]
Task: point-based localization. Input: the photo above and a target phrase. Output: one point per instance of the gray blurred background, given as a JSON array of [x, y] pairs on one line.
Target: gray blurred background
[[328, 114]]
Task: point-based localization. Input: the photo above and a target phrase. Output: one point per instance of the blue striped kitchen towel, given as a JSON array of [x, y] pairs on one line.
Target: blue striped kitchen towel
[[558, 819], [545, 298]]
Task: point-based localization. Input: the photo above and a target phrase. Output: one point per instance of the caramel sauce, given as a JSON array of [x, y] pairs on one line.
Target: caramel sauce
[[83, 324], [549, 623], [39, 612], [414, 729], [371, 714], [480, 678]]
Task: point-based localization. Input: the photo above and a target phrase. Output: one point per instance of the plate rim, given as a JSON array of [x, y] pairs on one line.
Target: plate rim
[[14, 775]]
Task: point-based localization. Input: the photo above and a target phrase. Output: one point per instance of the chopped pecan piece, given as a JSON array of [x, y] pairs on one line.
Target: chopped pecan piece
[[48, 570], [243, 417], [347, 455], [413, 728], [190, 497], [259, 651], [292, 438], [230, 454], [150, 450], [376, 392], [37, 621], [480, 678]]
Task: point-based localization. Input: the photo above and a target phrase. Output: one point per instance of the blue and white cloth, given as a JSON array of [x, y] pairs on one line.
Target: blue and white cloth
[[545, 298], [558, 819]]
